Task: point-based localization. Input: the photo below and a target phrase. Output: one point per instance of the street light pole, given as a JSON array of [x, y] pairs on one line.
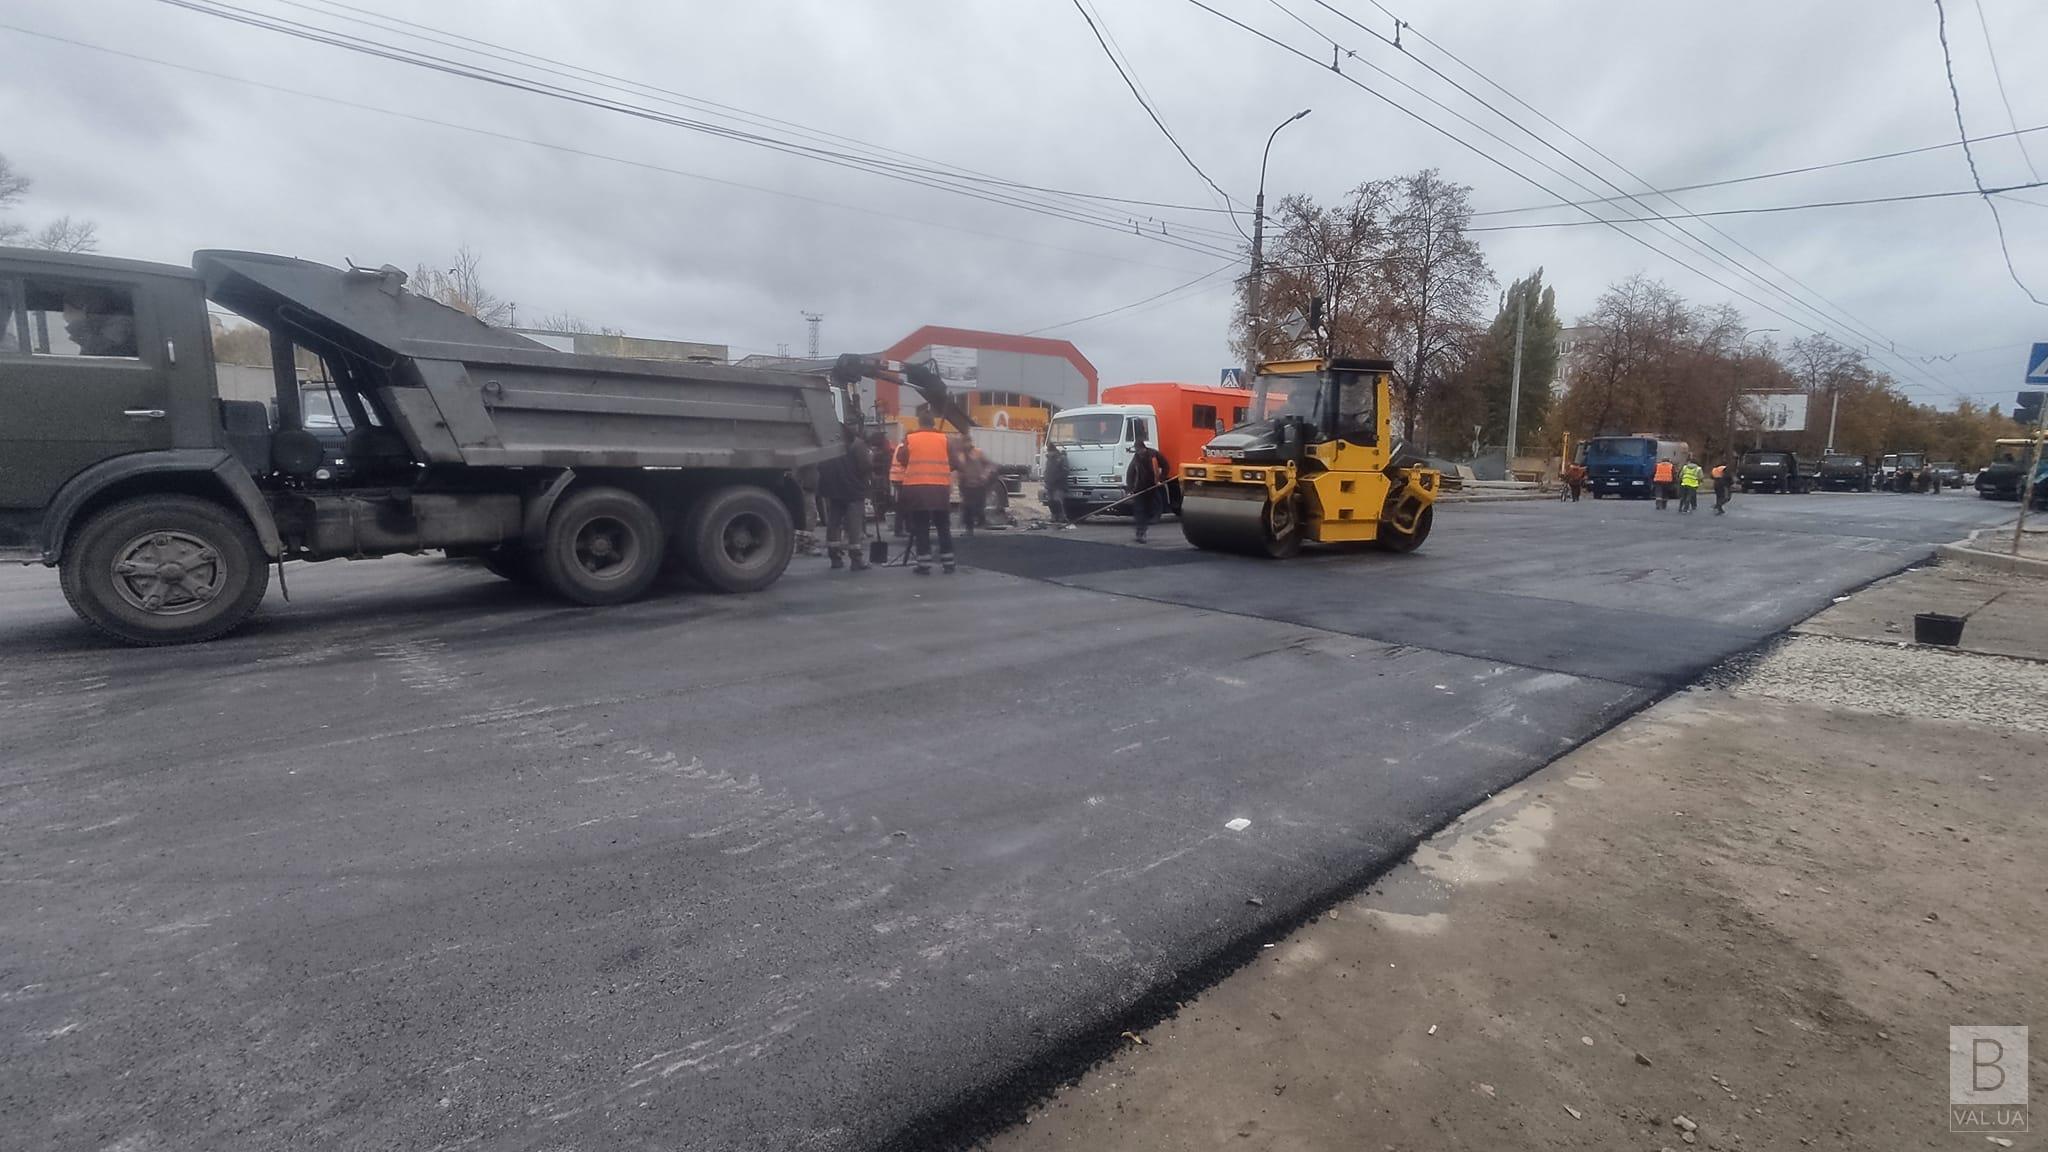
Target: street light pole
[[1515, 383], [1256, 294]]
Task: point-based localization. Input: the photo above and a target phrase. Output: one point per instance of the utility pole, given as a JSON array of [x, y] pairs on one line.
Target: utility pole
[[1255, 291], [1834, 410], [1515, 381], [813, 320]]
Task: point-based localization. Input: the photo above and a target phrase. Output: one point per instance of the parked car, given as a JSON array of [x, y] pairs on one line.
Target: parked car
[[1844, 472], [1773, 472]]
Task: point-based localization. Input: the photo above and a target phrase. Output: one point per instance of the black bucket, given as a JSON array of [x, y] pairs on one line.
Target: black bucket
[[878, 551], [1938, 628]]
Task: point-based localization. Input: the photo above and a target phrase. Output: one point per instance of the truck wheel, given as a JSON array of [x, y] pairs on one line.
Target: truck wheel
[[164, 570], [741, 539], [603, 546]]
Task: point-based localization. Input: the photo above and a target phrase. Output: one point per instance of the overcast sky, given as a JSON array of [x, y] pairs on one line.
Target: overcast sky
[[1682, 91]]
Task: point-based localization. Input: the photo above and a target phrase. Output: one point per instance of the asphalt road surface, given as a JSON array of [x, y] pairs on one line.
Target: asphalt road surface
[[423, 860]]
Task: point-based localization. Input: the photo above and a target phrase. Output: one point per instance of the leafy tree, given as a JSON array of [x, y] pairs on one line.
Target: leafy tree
[[1336, 252], [1491, 370], [1435, 276]]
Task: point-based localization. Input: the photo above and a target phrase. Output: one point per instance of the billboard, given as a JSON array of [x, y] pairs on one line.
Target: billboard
[[960, 368], [1774, 411]]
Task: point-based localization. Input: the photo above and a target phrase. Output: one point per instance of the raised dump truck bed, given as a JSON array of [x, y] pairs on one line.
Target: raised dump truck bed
[[163, 504]]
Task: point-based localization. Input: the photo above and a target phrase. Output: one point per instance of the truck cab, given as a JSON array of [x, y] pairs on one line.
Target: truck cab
[[1098, 441]]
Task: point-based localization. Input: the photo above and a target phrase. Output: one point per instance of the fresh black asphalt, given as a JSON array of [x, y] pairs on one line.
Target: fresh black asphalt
[[421, 860]]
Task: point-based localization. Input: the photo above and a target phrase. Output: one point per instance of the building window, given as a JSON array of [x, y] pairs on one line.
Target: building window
[[67, 318], [1205, 416]]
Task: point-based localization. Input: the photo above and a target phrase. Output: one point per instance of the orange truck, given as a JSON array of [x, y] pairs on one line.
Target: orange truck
[[1098, 439]]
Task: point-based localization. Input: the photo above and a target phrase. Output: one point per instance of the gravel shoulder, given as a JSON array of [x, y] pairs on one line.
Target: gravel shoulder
[[1758, 905]]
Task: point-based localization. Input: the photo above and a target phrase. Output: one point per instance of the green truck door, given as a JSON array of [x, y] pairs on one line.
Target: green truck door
[[83, 377]]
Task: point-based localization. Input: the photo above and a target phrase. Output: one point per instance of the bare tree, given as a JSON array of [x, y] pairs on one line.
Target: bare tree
[[461, 287], [1435, 278], [570, 322], [1334, 252], [67, 235], [13, 186]]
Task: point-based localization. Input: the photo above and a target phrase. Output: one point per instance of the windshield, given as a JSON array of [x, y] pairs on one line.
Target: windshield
[[1102, 428], [1625, 446], [1288, 394], [1764, 458], [1845, 461]]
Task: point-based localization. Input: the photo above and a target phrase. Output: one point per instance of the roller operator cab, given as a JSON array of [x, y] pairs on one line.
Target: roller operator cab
[[164, 505], [1315, 462]]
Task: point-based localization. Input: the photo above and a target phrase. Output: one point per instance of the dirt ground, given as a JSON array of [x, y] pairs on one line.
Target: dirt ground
[[1758, 906]]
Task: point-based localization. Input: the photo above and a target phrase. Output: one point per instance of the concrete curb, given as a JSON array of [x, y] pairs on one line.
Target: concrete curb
[[1968, 551], [1484, 497]]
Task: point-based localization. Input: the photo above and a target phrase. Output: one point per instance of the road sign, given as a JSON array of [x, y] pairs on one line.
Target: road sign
[[1234, 377], [2037, 365]]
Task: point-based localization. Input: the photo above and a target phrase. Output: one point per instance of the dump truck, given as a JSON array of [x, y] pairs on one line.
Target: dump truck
[[163, 507], [1099, 439], [1314, 462]]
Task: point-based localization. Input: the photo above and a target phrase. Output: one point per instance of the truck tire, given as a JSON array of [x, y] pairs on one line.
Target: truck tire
[[740, 539], [164, 570], [603, 546]]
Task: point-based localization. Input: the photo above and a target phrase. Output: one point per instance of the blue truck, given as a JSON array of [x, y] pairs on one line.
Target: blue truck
[[1623, 465]]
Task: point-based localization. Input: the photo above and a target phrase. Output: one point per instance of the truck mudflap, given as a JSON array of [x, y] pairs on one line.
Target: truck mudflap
[[215, 463]]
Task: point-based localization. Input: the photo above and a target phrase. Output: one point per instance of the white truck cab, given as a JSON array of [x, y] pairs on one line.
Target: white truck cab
[[1098, 440]]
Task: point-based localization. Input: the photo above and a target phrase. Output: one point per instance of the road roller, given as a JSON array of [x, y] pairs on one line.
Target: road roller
[[1314, 462]]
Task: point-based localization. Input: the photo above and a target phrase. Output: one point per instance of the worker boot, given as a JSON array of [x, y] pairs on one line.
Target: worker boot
[[946, 561], [839, 560], [924, 564]]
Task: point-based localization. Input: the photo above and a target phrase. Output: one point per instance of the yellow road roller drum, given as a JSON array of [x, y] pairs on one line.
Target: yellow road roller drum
[[1314, 462]]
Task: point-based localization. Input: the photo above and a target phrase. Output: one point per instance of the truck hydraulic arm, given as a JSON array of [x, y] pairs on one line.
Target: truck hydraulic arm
[[851, 368]]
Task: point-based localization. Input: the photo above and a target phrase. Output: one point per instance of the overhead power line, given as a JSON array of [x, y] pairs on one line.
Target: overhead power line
[[1862, 328], [1999, 79], [1770, 208], [1147, 106], [1697, 245], [929, 178], [571, 151], [1178, 288], [448, 38], [1941, 147], [1956, 98]]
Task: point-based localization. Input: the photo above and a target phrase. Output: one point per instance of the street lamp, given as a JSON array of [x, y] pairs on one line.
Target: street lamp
[[1254, 311]]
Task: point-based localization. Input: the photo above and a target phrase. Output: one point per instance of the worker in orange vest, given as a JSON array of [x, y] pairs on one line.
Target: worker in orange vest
[[929, 458], [1666, 472], [1724, 486]]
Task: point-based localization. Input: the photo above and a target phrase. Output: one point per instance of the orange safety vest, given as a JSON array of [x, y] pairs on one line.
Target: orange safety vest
[[1663, 473], [895, 468], [930, 464]]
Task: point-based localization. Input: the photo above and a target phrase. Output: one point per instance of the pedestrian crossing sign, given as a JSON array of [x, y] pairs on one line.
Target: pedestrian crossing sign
[[2037, 365], [1234, 377]]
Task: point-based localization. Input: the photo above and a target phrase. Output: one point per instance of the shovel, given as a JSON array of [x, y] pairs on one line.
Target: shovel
[[878, 548]]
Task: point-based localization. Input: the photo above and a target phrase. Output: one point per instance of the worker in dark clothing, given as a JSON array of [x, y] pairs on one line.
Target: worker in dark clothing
[[977, 472], [1724, 486], [1056, 483], [1145, 480], [843, 488], [881, 454], [928, 459]]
